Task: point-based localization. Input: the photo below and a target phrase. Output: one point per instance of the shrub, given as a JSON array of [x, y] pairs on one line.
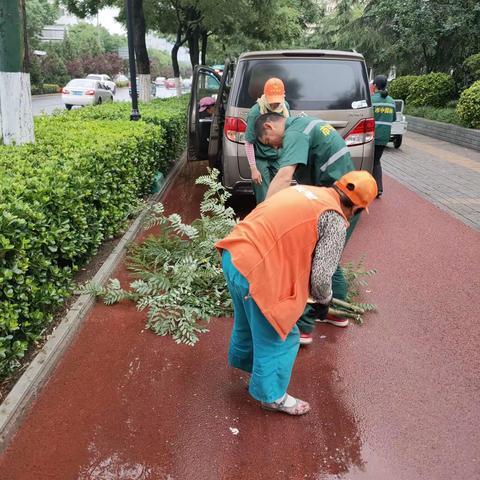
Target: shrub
[[472, 67], [45, 88], [50, 88], [445, 115], [468, 107], [121, 84], [399, 88], [61, 197], [434, 89]]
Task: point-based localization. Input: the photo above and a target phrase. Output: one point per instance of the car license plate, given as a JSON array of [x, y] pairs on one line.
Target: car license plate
[[76, 92]]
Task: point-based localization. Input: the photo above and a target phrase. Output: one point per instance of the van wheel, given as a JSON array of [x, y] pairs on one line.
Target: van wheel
[[397, 141], [99, 101], [68, 107]]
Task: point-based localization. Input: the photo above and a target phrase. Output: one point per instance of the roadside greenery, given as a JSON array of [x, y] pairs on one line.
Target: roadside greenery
[[468, 107], [434, 89], [445, 114], [177, 273], [65, 194]]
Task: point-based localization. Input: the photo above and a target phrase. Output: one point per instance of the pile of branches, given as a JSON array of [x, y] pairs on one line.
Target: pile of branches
[[177, 273]]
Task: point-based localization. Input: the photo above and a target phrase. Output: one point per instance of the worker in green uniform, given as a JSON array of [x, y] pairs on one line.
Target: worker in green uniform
[[262, 158], [384, 112], [313, 153]]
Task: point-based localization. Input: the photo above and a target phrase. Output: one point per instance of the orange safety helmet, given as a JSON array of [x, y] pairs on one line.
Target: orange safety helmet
[[359, 186], [274, 90]]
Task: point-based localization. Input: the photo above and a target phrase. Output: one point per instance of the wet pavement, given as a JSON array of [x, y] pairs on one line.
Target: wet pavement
[[445, 174], [395, 399]]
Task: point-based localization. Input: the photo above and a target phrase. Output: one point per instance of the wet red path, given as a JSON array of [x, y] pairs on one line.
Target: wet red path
[[396, 399]]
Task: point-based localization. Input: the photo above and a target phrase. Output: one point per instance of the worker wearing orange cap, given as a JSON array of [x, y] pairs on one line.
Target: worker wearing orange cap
[[312, 153], [262, 158], [284, 251]]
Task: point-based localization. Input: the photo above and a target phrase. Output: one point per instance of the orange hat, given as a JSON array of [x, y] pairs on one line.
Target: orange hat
[[359, 186], [274, 90]]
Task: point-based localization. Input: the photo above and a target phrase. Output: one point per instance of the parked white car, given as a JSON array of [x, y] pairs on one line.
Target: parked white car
[[160, 81], [82, 91], [105, 79], [399, 127]]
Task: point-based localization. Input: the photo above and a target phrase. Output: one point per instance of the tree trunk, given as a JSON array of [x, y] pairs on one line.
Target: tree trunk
[[26, 61], [193, 46], [16, 117], [141, 54], [176, 68], [204, 47]]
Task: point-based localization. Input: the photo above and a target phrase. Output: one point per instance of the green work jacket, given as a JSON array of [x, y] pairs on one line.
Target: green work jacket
[[318, 150], [384, 114]]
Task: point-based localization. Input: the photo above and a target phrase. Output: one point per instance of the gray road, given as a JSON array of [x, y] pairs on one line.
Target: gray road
[[47, 104], [447, 175]]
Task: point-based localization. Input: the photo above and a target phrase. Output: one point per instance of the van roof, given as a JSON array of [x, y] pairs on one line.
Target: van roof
[[302, 53]]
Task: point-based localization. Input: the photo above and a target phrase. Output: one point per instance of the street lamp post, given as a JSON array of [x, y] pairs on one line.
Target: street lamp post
[[135, 115]]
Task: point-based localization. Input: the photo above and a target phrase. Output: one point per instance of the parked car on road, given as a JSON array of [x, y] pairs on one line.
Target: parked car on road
[[170, 83], [82, 91], [160, 81], [399, 127], [105, 79], [330, 85]]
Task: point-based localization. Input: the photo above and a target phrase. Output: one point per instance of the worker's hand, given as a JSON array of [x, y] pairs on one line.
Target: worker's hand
[[320, 310], [256, 176]]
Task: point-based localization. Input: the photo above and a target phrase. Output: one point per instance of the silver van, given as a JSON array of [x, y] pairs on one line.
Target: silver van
[[326, 84]]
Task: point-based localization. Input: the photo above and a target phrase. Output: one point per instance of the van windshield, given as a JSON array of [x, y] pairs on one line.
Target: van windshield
[[310, 84]]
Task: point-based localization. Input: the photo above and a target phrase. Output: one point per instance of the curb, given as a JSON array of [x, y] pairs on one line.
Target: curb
[[20, 398], [465, 137], [46, 95]]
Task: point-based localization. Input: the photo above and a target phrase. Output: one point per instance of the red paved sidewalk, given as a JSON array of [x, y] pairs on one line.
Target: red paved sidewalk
[[396, 399]]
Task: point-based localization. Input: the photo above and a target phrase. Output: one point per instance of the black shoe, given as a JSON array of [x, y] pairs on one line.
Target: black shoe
[[380, 193]]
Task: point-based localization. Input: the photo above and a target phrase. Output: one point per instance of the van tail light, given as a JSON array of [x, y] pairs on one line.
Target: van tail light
[[234, 129], [65, 91], [89, 92], [362, 132]]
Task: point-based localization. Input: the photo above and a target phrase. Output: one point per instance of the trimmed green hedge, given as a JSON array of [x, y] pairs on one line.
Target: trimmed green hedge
[[45, 88], [400, 87], [445, 115], [61, 197], [433, 89], [468, 107]]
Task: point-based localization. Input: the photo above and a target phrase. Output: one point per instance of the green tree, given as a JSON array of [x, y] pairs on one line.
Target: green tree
[[39, 13]]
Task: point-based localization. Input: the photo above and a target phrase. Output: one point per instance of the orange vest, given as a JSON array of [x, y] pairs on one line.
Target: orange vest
[[273, 249]]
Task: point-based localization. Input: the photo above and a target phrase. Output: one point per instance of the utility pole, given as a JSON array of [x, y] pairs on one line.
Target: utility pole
[[16, 117]]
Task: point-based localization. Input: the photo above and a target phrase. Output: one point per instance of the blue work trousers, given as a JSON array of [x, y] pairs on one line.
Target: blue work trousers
[[255, 346]]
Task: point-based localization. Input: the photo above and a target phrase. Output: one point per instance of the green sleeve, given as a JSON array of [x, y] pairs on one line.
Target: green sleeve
[[253, 114], [294, 150], [336, 170]]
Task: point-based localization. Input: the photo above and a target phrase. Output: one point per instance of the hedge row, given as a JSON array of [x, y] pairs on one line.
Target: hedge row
[[45, 88], [426, 93], [468, 107], [61, 197]]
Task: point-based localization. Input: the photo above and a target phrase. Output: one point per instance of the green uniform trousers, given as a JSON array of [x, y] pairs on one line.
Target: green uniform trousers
[[268, 169]]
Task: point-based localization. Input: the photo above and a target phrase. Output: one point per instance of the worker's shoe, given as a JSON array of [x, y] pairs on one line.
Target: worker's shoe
[[338, 322], [306, 338], [288, 405]]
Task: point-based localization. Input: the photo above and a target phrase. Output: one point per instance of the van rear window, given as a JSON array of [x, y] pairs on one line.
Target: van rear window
[[310, 84]]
